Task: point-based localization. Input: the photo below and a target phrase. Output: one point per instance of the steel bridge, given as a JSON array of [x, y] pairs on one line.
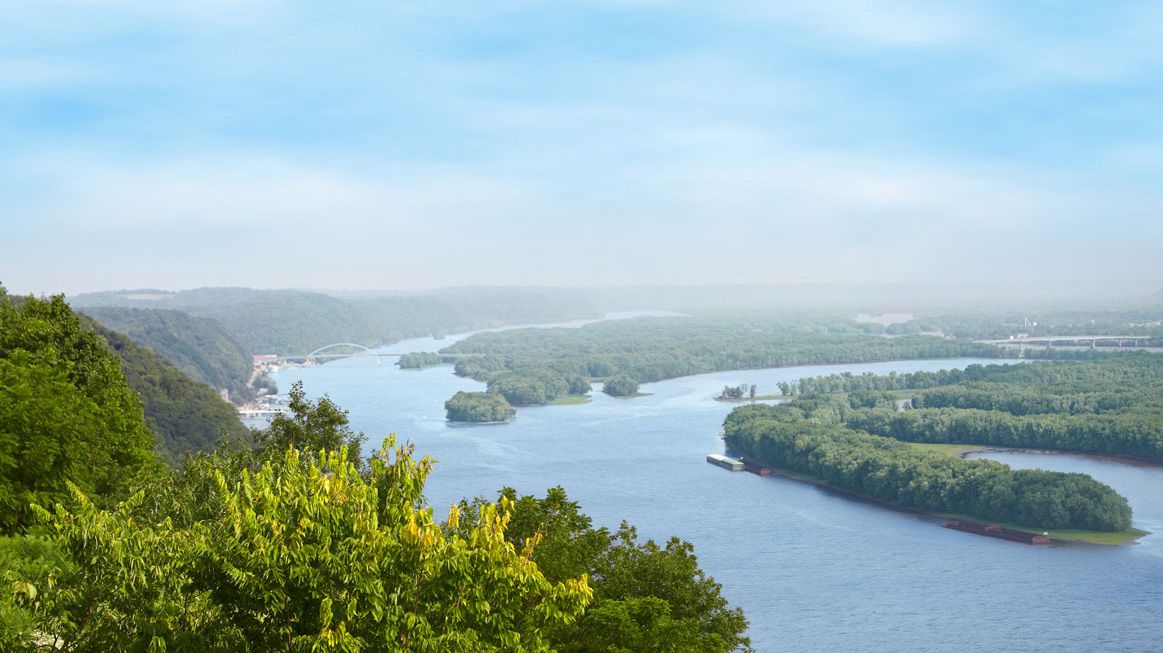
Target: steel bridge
[[1131, 341], [363, 351]]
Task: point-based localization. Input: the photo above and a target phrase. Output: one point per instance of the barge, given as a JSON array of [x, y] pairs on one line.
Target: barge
[[755, 468], [719, 460], [992, 530]]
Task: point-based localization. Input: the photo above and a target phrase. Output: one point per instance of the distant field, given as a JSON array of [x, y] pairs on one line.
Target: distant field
[[570, 400], [955, 450], [884, 319]]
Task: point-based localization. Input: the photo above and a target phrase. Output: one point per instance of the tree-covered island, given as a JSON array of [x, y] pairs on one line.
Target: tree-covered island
[[855, 432], [535, 366], [419, 360], [800, 437], [1112, 405], [620, 386], [479, 407]]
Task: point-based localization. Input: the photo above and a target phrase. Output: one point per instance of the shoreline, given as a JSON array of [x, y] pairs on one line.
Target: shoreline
[[1065, 537], [1124, 459], [460, 423]]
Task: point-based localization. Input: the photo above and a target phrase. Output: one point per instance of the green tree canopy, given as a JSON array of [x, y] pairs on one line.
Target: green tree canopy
[[647, 597], [620, 386], [306, 554], [478, 407], [309, 427], [66, 412]]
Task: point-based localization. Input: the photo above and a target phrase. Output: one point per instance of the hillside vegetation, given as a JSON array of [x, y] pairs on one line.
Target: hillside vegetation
[[297, 322], [68, 419], [183, 414], [200, 347]]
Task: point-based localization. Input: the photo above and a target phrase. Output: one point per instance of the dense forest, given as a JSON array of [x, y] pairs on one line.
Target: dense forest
[[295, 541], [199, 347], [1110, 405], [534, 366], [183, 415], [298, 322], [67, 417], [806, 437], [646, 596]]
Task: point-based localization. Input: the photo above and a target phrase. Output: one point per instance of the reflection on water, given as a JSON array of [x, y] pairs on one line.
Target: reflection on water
[[813, 570]]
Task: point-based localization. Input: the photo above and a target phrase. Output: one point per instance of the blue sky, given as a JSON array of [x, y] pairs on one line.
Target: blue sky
[[412, 145]]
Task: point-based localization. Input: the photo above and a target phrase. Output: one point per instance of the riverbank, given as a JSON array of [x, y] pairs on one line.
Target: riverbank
[[493, 423], [743, 400], [1057, 536], [569, 400], [1135, 461]]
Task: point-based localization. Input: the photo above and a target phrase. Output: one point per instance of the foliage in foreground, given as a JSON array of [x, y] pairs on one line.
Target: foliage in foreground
[[647, 597], [66, 412], [305, 554]]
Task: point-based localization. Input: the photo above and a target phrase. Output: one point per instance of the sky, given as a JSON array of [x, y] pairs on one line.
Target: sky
[[401, 145]]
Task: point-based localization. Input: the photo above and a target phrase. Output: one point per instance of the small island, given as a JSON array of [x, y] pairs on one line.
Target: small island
[[419, 360], [744, 392], [620, 386], [479, 408]]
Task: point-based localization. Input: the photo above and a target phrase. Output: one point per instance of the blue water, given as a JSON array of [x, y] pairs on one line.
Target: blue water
[[813, 571]]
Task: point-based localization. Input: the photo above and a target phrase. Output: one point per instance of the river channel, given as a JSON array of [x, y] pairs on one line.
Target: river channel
[[814, 571]]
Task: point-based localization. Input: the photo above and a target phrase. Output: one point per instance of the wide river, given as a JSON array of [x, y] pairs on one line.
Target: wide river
[[813, 571]]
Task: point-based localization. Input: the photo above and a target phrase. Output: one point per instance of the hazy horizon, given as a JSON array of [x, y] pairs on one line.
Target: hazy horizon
[[600, 143], [870, 297]]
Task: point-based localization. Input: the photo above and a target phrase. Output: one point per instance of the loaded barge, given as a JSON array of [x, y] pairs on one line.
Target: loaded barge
[[992, 530], [740, 464], [725, 462]]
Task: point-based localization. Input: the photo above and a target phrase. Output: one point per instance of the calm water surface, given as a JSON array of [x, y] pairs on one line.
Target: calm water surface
[[812, 570]]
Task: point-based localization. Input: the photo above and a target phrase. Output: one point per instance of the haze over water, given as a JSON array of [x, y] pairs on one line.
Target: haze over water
[[813, 570]]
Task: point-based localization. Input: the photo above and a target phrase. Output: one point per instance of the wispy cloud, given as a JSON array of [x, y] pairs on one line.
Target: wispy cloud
[[600, 141], [873, 23]]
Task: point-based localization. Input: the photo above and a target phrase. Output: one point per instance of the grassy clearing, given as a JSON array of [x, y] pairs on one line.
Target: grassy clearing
[[1063, 535], [954, 450], [570, 400], [902, 394], [1122, 537]]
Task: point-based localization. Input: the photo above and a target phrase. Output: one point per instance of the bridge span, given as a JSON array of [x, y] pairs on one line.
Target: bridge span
[[364, 352], [1131, 341]]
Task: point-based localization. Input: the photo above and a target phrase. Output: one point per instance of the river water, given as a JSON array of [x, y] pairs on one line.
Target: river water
[[813, 571]]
